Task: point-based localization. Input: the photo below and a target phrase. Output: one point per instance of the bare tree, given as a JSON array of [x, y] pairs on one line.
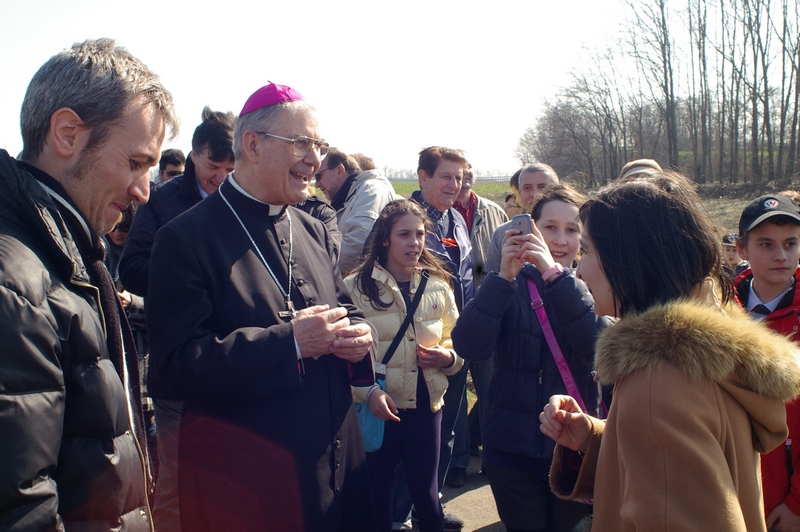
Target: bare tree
[[651, 46]]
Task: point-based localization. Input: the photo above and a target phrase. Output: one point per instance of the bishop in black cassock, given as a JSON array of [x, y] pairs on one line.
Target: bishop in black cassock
[[269, 441]]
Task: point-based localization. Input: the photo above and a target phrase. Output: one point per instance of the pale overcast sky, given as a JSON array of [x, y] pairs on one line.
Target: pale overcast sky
[[387, 78]]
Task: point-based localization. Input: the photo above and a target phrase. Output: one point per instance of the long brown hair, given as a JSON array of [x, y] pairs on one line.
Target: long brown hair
[[378, 250]]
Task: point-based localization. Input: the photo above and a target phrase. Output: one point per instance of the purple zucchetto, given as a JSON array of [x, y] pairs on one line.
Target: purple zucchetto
[[270, 94]]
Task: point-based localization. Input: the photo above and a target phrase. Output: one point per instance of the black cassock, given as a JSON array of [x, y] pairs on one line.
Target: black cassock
[[265, 443]]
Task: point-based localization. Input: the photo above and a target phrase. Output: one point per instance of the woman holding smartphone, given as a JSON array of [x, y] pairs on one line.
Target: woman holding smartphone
[[500, 320], [384, 286], [698, 385]]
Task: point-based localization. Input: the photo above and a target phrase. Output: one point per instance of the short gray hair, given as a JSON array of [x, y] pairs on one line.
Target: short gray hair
[[540, 167], [263, 120], [96, 79]]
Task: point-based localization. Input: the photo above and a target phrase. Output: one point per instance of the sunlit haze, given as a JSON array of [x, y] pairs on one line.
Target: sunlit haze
[[387, 79]]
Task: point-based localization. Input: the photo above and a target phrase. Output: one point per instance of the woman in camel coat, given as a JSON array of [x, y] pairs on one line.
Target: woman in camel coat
[[698, 387]]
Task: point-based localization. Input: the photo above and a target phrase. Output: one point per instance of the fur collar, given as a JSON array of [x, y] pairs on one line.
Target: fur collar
[[705, 342]]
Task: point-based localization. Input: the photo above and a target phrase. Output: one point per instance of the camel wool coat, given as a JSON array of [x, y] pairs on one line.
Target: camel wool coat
[[698, 395]]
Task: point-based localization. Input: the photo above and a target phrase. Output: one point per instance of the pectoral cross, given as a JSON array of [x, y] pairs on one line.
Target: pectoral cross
[[289, 313]]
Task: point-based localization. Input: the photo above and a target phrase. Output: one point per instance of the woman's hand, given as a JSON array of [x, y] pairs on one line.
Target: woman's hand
[[382, 406], [564, 422], [519, 249], [435, 356]]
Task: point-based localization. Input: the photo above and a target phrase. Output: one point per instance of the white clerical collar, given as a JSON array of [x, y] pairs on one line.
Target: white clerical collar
[[274, 210], [78, 216], [753, 300]]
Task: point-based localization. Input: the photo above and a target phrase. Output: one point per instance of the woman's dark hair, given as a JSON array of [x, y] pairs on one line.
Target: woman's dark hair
[[378, 247], [655, 241], [556, 192]]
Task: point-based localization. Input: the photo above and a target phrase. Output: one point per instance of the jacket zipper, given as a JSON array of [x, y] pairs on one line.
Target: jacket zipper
[[125, 384]]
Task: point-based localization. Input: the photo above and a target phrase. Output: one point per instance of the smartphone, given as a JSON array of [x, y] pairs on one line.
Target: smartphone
[[522, 223]]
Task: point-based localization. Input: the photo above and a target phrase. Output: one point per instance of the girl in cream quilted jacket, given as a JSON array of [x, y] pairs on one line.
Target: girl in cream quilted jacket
[[416, 375]]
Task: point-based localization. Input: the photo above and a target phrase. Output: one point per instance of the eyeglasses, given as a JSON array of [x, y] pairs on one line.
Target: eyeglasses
[[301, 144], [173, 173], [121, 229], [319, 174]]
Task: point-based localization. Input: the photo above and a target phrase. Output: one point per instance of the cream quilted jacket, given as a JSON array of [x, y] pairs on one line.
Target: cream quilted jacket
[[433, 321]]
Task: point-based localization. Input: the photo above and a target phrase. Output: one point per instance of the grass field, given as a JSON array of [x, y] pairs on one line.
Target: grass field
[[493, 190]]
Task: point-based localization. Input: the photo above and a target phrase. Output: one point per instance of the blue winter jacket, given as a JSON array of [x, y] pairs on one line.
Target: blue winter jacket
[[499, 320]]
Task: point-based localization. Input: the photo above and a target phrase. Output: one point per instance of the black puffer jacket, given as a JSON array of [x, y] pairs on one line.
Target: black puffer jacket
[[500, 320], [67, 455], [167, 201]]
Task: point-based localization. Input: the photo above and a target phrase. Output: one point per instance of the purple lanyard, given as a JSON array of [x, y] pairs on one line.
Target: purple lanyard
[[538, 307]]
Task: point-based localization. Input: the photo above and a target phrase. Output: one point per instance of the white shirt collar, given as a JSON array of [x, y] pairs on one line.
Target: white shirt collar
[[203, 193], [274, 210], [753, 300]]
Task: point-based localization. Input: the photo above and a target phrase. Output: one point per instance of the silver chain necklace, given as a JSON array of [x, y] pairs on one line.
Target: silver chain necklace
[[290, 312]]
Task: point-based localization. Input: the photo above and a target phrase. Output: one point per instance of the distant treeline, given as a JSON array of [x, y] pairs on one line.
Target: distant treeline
[[708, 87]]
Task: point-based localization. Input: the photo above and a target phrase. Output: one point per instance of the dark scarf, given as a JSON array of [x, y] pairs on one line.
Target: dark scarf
[[338, 200], [119, 338]]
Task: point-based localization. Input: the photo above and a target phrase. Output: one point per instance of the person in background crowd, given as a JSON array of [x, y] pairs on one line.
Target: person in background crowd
[[172, 164], [511, 207], [482, 217], [116, 238], [210, 161], [322, 211], [500, 322], [678, 348], [133, 306], [734, 264], [532, 180], [358, 197], [640, 166], [769, 230], [251, 324], [364, 162], [513, 182], [72, 438], [416, 375]]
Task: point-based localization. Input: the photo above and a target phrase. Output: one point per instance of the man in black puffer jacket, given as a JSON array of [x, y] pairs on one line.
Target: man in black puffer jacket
[[71, 433]]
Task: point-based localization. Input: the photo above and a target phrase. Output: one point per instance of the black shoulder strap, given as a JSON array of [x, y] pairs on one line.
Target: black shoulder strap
[[409, 316]]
